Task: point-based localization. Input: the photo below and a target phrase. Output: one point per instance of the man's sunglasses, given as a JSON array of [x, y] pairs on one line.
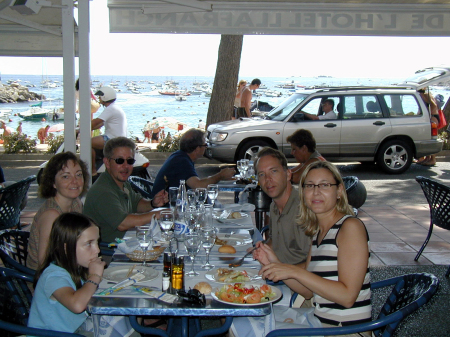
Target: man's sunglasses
[[120, 161]]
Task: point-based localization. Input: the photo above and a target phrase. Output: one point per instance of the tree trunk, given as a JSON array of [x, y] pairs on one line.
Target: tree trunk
[[227, 71]]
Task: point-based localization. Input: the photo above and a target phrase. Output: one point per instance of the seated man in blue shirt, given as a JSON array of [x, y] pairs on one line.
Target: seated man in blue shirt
[[180, 165]]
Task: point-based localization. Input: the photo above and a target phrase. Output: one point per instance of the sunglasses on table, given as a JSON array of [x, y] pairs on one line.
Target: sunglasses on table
[[120, 161]]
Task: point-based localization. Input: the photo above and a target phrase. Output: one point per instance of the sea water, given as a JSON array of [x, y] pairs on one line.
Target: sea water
[[148, 103]]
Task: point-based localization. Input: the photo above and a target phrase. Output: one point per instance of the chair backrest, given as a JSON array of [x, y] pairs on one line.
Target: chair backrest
[[14, 250], [10, 201], [141, 186], [438, 197], [409, 293], [15, 303]]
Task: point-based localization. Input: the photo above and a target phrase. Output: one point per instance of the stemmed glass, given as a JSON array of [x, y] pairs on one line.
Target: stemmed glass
[[213, 192], [239, 167], [192, 218], [244, 167], [166, 222], [208, 240], [144, 235], [192, 242], [173, 193]]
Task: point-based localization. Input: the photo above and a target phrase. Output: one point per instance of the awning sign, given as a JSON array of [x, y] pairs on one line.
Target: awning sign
[[402, 23]]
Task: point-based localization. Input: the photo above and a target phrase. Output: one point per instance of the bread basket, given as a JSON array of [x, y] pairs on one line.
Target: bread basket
[[152, 255]]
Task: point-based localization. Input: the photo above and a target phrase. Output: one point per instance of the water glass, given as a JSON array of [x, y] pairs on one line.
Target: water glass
[[213, 192], [208, 217], [166, 222], [192, 242], [208, 239], [144, 235], [201, 195], [192, 218], [173, 193], [192, 198], [244, 167]]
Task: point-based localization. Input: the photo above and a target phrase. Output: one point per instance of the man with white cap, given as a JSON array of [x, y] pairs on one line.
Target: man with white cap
[[112, 117]]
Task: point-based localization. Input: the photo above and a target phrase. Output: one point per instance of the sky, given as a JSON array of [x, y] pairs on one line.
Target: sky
[[262, 55]]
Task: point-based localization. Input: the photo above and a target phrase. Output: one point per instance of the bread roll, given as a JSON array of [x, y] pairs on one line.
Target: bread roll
[[235, 215], [203, 287], [227, 249]]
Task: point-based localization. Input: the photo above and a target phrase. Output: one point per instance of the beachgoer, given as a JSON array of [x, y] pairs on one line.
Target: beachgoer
[[337, 274], [126, 208], [63, 181], [431, 104], [42, 134], [147, 129], [163, 134], [327, 108], [286, 238], [303, 148], [19, 128], [155, 130], [7, 131], [237, 99], [246, 99], [201, 124], [180, 165]]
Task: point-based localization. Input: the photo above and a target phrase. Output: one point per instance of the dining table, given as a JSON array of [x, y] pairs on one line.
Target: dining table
[[184, 317]]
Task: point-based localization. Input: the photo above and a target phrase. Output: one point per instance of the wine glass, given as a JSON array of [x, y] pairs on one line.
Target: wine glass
[[192, 198], [208, 240], [173, 193], [213, 192], [144, 235], [166, 222], [192, 242], [192, 217], [201, 195]]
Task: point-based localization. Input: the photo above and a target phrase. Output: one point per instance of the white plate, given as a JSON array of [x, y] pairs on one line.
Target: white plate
[[119, 273], [277, 292], [217, 217], [211, 274], [235, 239]]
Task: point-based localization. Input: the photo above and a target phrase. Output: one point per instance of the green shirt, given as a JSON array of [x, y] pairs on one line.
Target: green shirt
[[289, 241], [108, 205]]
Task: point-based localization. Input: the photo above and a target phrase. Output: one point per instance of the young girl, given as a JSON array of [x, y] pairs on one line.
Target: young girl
[[68, 277]]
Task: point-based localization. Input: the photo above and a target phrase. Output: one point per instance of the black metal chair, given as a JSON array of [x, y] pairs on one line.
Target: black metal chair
[[15, 303], [14, 250], [141, 186], [356, 191], [409, 293], [10, 200], [438, 197]]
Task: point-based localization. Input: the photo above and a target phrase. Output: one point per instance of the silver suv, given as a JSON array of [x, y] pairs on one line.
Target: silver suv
[[388, 125]]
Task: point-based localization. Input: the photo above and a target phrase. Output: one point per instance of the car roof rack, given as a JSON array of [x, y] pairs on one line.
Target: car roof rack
[[348, 88]]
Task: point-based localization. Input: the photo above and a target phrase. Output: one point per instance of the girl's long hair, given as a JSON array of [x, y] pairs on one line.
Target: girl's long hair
[[307, 218], [62, 246]]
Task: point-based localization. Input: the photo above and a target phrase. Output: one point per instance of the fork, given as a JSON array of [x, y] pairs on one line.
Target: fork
[[240, 261]]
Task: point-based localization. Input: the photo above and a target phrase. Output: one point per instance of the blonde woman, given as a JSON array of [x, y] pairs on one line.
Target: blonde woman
[[237, 100]]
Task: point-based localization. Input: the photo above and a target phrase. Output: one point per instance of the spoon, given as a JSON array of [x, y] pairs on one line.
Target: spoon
[[240, 261]]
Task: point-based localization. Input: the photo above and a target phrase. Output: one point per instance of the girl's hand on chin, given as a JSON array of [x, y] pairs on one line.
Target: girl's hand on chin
[[96, 266]]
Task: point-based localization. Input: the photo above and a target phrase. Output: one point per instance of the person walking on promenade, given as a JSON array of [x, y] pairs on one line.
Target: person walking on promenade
[[147, 129], [237, 99]]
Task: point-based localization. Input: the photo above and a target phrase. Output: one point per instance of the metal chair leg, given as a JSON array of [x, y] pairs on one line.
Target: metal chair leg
[[426, 241]]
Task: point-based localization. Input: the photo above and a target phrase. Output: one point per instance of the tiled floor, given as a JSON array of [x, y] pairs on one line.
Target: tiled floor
[[396, 235]]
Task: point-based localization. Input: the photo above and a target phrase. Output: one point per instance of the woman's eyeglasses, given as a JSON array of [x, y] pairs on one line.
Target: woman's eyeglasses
[[322, 186], [120, 161]]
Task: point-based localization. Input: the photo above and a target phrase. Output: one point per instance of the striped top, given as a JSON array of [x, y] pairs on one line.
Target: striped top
[[324, 263]]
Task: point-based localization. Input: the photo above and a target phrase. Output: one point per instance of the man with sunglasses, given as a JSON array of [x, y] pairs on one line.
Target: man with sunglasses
[[180, 165], [111, 202]]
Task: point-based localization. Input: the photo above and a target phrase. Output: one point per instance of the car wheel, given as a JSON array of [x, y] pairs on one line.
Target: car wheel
[[394, 156], [251, 148]]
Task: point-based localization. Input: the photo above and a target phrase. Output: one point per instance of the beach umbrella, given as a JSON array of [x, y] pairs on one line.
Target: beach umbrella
[[170, 122], [56, 128]]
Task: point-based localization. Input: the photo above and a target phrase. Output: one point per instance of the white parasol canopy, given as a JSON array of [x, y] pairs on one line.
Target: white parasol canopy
[[56, 128]]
